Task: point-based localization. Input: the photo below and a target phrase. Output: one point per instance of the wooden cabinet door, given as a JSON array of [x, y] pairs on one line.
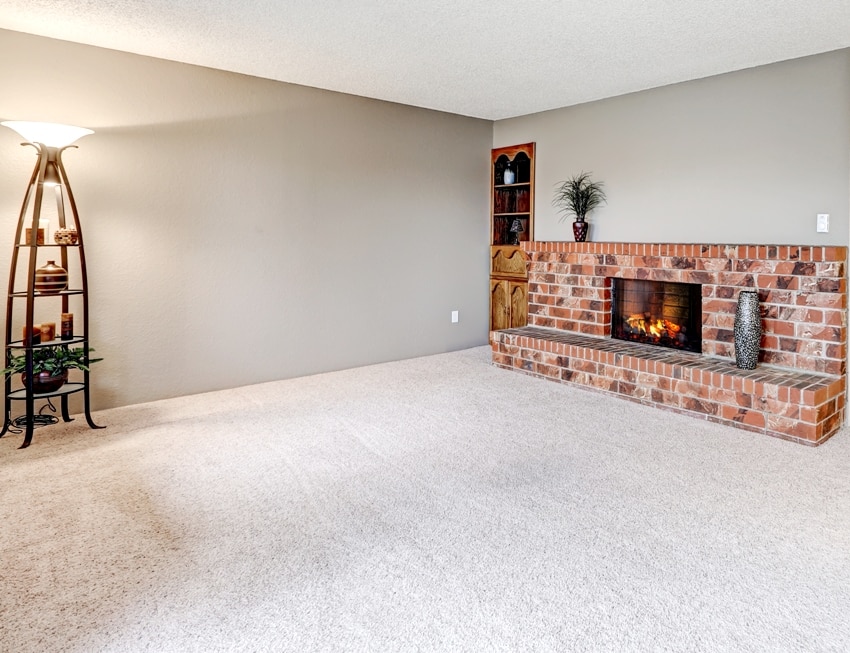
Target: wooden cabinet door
[[508, 262], [508, 304], [519, 304], [499, 304]]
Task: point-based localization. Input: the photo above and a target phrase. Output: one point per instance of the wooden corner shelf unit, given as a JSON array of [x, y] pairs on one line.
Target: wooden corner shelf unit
[[511, 222]]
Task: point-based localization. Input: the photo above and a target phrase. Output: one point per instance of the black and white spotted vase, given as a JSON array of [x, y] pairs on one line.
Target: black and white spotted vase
[[747, 330]]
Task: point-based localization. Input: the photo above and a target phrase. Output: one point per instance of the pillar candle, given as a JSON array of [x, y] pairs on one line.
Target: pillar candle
[[67, 328], [32, 336], [48, 331]]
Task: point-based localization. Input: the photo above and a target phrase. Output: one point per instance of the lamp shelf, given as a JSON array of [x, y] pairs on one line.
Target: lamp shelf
[[61, 293], [19, 344], [30, 245], [64, 391]]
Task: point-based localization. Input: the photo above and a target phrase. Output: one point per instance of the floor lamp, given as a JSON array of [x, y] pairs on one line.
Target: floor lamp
[[49, 176]]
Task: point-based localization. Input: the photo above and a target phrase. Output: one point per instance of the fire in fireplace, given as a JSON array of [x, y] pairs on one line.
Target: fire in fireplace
[[660, 313]]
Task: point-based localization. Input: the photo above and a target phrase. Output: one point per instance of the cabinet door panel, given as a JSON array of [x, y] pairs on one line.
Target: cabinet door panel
[[499, 305], [508, 262], [519, 304]]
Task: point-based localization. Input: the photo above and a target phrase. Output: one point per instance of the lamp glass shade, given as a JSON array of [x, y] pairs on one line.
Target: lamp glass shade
[[47, 133]]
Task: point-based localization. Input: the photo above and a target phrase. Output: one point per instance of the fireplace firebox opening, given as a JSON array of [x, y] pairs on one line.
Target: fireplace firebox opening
[[662, 313]]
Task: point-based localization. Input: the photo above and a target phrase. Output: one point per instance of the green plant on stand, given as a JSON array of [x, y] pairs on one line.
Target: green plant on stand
[[50, 365]]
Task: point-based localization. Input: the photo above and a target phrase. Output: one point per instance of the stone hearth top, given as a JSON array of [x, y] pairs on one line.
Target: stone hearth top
[[801, 380]]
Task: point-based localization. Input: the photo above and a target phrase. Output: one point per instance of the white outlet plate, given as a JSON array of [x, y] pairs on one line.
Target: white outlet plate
[[823, 223], [455, 317]]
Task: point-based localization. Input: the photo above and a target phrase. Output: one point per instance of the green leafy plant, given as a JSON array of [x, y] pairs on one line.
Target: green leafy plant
[[53, 360], [578, 196]]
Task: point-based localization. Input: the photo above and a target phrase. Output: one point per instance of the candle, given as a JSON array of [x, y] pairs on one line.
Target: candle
[[39, 238], [32, 336], [48, 331], [67, 326]]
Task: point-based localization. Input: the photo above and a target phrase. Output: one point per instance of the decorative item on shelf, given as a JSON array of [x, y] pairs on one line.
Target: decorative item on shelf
[[48, 331], [66, 328], [515, 231], [51, 279], [40, 236], [31, 335], [509, 175], [577, 197], [747, 330], [65, 236], [50, 366]]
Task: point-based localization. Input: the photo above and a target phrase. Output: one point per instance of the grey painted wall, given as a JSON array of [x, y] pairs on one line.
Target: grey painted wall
[[747, 157], [240, 230]]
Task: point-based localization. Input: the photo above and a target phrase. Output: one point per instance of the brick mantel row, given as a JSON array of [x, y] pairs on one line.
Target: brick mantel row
[[816, 253], [802, 290]]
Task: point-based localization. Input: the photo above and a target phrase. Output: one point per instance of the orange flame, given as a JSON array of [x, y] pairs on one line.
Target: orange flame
[[655, 328]]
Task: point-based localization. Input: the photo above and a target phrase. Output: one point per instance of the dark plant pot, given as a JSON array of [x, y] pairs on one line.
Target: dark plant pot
[[43, 382], [580, 228]]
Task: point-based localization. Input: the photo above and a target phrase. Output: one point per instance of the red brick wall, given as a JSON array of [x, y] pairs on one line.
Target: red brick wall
[[802, 292]]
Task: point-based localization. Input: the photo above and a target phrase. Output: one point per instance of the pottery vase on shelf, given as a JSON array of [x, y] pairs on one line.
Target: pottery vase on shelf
[[580, 228], [747, 330], [509, 177], [51, 279]]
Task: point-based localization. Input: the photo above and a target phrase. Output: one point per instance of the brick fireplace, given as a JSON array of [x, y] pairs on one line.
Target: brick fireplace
[[798, 390]]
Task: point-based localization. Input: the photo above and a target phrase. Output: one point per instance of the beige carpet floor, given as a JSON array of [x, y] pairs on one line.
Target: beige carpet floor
[[434, 504]]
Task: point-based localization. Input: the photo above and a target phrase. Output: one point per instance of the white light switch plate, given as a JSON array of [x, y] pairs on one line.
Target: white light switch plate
[[823, 223]]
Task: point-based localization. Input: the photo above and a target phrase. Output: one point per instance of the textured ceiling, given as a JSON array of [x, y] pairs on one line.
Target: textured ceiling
[[487, 59]]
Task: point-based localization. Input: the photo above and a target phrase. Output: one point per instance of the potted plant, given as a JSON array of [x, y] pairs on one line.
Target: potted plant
[[578, 196], [50, 366]]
